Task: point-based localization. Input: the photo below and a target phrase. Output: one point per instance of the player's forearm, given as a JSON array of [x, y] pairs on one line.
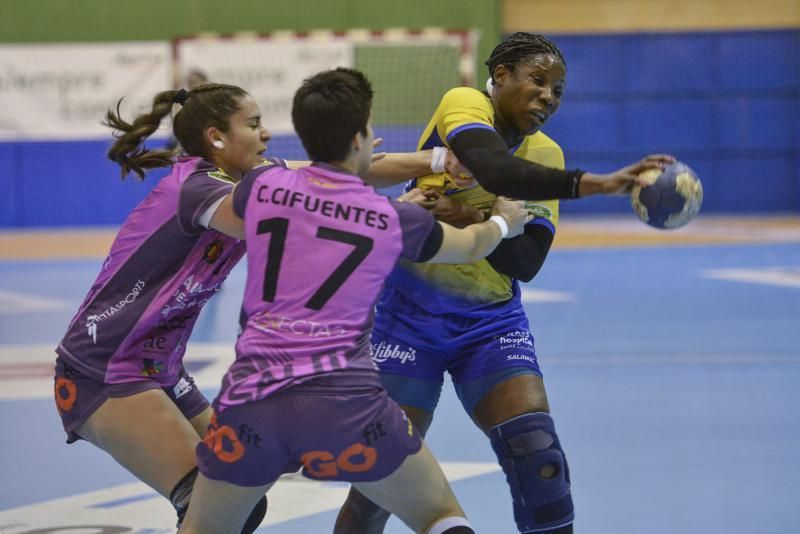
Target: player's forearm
[[523, 256], [487, 157], [397, 167], [468, 245]]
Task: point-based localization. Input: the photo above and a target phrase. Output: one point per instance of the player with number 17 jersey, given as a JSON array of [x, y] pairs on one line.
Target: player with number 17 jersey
[[321, 244]]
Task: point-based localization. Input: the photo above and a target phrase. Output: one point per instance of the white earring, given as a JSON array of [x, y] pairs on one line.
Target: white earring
[[218, 144]]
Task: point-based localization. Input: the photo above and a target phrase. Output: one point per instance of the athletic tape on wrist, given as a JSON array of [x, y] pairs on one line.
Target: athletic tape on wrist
[[501, 222], [438, 158]]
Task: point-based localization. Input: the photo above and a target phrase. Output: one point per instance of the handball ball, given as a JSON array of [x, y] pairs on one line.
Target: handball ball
[[672, 197]]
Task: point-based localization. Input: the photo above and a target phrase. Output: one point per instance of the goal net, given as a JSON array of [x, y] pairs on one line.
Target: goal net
[[409, 72]]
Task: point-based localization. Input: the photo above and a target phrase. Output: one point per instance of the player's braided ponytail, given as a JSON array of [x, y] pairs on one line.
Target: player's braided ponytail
[[207, 105], [129, 150]]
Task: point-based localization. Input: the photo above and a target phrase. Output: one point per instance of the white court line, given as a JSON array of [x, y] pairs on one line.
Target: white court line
[[776, 276], [543, 295], [16, 302], [673, 359], [136, 506], [13, 384]]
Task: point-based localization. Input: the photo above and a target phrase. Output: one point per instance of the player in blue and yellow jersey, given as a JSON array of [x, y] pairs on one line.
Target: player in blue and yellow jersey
[[468, 319]]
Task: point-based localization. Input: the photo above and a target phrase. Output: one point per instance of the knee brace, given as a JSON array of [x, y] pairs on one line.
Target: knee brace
[[182, 493], [530, 454]]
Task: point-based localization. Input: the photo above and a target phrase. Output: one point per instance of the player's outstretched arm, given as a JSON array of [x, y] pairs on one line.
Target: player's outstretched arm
[[621, 181], [467, 245], [391, 168], [485, 154]]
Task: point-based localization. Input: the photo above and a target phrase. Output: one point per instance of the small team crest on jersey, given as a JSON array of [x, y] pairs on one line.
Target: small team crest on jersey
[[151, 367], [213, 251], [537, 210], [322, 183], [220, 175]]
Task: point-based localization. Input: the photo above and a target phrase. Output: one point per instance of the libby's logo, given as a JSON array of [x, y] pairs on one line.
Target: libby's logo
[[383, 351]]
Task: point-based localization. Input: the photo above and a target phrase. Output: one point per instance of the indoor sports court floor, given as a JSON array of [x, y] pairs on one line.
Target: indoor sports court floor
[[672, 362]]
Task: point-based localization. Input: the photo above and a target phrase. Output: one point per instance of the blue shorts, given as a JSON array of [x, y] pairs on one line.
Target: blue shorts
[[334, 427], [413, 348]]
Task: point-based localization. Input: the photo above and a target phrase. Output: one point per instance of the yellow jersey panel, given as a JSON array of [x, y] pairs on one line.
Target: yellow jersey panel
[[449, 288]]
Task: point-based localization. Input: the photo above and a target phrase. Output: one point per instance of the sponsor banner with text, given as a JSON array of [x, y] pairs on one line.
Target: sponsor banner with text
[[270, 69], [61, 91]]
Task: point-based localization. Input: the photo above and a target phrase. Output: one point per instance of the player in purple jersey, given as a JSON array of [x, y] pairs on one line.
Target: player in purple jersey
[[303, 392], [468, 320], [120, 382]]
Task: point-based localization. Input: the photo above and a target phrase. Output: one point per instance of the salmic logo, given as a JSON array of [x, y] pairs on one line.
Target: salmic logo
[[383, 351]]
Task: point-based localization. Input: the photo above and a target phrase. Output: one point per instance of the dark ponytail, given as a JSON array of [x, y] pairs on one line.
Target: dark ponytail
[[206, 105], [128, 150]]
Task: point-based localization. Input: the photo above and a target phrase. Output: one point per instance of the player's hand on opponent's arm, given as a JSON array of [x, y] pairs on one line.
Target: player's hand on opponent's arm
[[461, 176], [514, 212], [621, 181], [470, 244], [392, 168], [444, 208], [425, 199]]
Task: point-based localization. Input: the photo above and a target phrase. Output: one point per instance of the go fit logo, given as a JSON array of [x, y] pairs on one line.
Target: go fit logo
[[226, 443], [356, 458]]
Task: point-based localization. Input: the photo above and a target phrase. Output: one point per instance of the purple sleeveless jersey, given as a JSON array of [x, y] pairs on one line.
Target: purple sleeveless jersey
[[162, 268], [320, 245]]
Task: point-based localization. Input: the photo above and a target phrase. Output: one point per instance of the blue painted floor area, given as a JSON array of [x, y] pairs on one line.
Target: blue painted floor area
[[674, 390]]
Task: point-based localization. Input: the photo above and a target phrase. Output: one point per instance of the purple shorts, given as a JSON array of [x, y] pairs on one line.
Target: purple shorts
[[77, 396], [334, 428]]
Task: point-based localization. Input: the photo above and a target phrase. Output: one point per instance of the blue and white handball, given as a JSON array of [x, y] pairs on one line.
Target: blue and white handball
[[672, 197]]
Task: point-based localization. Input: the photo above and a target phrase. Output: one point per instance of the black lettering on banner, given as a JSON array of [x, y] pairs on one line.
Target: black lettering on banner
[[279, 227]]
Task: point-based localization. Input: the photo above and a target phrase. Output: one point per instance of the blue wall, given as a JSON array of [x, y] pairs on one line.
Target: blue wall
[[728, 104]]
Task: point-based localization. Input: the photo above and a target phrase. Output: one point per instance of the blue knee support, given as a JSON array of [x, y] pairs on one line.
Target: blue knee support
[[528, 450]]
